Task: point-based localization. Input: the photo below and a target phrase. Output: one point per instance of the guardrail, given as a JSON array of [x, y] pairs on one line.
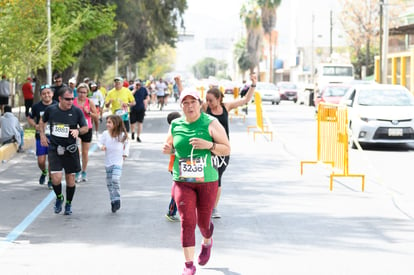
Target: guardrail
[[262, 128], [332, 142]]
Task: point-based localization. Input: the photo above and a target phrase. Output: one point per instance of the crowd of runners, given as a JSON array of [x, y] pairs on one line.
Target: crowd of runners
[[67, 119]]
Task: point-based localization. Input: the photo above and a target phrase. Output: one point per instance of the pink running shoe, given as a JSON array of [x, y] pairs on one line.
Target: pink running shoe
[[189, 269], [205, 253]]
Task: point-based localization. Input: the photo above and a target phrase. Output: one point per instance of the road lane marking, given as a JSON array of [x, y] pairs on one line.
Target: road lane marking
[[19, 229]]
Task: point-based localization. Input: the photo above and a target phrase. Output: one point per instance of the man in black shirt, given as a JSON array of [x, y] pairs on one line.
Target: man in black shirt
[[58, 84], [66, 123]]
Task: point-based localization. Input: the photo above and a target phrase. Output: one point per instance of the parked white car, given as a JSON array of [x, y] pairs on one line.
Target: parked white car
[[268, 92], [379, 114]]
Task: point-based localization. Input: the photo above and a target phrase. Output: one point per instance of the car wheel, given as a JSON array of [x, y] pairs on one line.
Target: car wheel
[[311, 99], [350, 138]]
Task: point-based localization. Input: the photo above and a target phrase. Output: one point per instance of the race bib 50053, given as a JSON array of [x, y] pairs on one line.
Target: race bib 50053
[[60, 130]]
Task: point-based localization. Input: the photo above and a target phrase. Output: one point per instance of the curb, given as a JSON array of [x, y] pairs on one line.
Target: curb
[[8, 151]]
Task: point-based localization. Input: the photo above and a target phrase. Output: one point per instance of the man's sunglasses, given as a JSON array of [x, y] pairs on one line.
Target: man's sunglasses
[[68, 98]]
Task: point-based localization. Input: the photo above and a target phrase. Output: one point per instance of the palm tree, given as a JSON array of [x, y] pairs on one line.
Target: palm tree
[[268, 8], [241, 56], [250, 13]]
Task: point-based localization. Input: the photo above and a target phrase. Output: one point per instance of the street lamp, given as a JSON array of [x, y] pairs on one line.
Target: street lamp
[[49, 50], [383, 41], [116, 57]]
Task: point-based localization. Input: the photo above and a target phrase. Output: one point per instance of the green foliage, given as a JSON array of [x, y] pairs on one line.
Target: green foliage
[[359, 59], [268, 13], [209, 67], [79, 22], [158, 62], [23, 32], [142, 27], [29, 132], [250, 13], [20, 35], [242, 56]]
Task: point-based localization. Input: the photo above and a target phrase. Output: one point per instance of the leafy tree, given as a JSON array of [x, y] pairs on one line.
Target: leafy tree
[[21, 36], [241, 56], [361, 22], [268, 15], [208, 67], [157, 63], [250, 13], [142, 26], [24, 33]]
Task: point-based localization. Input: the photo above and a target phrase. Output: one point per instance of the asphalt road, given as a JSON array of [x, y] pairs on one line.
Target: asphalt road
[[275, 221]]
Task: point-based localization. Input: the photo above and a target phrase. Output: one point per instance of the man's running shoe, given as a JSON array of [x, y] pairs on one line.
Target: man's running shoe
[[84, 178], [50, 185], [115, 206], [215, 214], [78, 177], [138, 139], [58, 205], [133, 136], [42, 179], [172, 218], [68, 209]]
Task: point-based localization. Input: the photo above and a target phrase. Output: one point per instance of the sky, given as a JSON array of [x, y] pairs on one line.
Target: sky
[[208, 19], [220, 19]]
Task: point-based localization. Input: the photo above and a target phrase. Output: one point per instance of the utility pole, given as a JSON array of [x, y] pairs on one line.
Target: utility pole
[[330, 35], [312, 50], [116, 57], [381, 31], [384, 65], [271, 57]]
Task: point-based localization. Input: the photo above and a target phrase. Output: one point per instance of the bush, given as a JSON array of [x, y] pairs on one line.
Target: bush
[[29, 132]]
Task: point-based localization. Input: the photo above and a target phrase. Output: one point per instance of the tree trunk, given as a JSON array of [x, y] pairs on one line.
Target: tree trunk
[[368, 57], [270, 59], [41, 79]]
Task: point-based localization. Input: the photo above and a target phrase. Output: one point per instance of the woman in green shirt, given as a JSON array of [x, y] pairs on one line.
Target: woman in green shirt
[[193, 138]]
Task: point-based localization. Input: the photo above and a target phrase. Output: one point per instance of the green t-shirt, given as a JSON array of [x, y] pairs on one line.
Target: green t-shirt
[[200, 168]]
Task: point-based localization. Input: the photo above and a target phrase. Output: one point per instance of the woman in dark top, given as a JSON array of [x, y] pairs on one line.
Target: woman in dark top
[[215, 106]]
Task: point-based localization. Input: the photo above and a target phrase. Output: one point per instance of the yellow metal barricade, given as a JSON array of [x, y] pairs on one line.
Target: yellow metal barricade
[[236, 112], [262, 128], [332, 141], [201, 91]]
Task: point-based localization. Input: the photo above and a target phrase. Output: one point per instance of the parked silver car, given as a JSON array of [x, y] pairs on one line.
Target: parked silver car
[[380, 113], [268, 92]]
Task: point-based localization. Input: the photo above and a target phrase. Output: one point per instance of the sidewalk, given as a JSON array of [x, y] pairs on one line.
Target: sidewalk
[[7, 151]]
